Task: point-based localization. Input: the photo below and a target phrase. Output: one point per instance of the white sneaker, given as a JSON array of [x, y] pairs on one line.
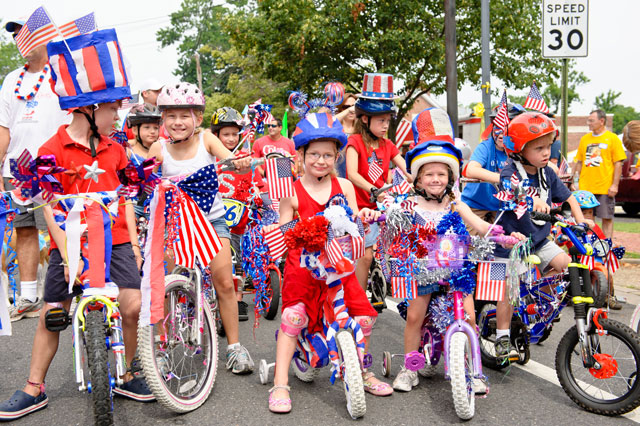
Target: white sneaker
[[479, 387], [25, 308], [405, 380]]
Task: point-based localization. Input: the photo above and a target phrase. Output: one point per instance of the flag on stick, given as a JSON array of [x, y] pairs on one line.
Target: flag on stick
[[279, 178], [80, 26], [534, 100], [37, 30], [375, 171], [502, 117], [491, 281]]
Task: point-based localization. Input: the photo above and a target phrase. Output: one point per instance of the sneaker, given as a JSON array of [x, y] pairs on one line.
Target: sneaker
[[136, 389], [479, 387], [25, 308], [612, 303], [243, 311], [504, 350], [21, 404], [405, 380], [239, 361]]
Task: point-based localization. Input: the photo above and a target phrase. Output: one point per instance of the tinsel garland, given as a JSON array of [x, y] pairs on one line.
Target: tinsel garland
[[255, 262], [440, 314]]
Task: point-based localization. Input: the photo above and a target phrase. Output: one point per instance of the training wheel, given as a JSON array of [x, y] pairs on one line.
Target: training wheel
[[386, 364], [263, 372]]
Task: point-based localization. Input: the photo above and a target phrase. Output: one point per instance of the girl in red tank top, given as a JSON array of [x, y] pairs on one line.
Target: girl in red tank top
[[318, 139]]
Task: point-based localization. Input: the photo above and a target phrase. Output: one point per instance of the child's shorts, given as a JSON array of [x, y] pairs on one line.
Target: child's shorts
[[423, 290], [221, 227], [546, 253], [371, 235], [124, 272]]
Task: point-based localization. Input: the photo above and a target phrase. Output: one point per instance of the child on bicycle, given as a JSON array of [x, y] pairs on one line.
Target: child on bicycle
[[318, 139], [528, 141], [188, 150], [369, 154], [434, 165], [84, 142]]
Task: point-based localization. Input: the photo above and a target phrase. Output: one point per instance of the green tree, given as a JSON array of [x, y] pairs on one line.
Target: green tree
[[311, 42], [10, 58], [552, 92], [608, 102]]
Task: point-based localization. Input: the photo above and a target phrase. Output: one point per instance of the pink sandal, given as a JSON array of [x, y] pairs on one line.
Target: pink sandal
[[377, 389], [280, 406]]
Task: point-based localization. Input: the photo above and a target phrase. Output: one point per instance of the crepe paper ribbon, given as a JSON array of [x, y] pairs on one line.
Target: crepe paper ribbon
[[34, 177]]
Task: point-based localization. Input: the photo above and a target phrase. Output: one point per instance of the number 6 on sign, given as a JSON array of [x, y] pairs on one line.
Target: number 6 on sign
[[233, 211]]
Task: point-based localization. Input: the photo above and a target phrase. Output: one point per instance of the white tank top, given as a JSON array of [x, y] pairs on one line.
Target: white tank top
[[172, 167]]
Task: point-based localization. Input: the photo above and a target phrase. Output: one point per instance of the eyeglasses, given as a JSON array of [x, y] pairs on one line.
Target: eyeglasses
[[272, 126], [314, 156]]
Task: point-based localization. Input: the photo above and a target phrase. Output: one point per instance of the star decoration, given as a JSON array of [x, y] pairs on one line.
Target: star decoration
[[93, 171], [73, 172]]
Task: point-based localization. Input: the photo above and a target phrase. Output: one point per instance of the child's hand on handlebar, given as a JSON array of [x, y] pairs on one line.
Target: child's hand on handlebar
[[368, 215], [540, 206], [242, 163], [590, 223]]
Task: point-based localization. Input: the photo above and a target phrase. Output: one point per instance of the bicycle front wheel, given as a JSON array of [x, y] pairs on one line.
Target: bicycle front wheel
[[353, 384], [274, 295], [98, 361], [179, 370], [461, 373], [613, 387]]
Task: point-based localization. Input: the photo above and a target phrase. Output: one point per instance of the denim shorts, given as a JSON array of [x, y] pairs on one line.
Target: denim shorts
[[423, 290], [221, 227], [371, 235]]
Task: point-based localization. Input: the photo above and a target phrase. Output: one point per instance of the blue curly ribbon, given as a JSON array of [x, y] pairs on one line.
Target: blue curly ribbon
[[256, 260]]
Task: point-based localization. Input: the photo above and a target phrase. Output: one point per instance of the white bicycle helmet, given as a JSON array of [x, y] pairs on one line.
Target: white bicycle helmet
[[181, 95]]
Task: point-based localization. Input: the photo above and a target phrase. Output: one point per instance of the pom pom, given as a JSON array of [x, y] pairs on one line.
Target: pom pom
[[334, 93], [341, 222], [310, 234], [440, 313]]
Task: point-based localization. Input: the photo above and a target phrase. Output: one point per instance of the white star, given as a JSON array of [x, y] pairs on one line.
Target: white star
[[93, 171]]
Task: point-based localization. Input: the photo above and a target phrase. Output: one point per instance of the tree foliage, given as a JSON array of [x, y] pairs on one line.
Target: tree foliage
[[10, 58], [552, 93], [310, 42], [608, 102]]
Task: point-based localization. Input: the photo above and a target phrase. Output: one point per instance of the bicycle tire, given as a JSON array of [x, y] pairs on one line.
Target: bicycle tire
[[461, 374], [157, 356], [274, 287], [600, 285], [98, 362], [303, 371], [378, 288], [627, 349], [352, 380], [487, 338]]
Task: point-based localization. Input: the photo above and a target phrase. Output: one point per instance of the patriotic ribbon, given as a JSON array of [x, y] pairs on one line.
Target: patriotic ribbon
[[262, 115], [34, 177], [138, 178], [517, 195]]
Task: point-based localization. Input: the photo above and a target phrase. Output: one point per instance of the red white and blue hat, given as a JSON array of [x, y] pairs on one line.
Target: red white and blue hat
[[93, 72], [319, 126], [432, 124], [377, 86]]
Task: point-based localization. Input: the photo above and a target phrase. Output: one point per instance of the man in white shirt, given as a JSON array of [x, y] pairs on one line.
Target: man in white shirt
[[29, 116]]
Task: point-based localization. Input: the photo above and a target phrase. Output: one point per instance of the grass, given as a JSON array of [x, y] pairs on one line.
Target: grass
[[633, 227], [631, 255]]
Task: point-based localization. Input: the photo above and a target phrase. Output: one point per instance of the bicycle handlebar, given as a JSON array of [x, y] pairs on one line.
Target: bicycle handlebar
[[503, 239]]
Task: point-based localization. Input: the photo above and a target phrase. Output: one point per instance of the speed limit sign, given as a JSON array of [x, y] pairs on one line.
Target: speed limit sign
[[565, 28]]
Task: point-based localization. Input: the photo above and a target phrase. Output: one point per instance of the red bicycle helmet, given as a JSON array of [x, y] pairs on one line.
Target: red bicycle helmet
[[524, 128]]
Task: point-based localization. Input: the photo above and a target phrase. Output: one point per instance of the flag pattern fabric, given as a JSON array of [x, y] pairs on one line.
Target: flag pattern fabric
[[534, 100], [399, 287], [202, 187], [377, 86], [403, 132], [400, 184], [92, 72], [279, 178], [83, 25], [375, 171], [491, 281], [502, 117], [38, 29], [588, 261], [275, 239]]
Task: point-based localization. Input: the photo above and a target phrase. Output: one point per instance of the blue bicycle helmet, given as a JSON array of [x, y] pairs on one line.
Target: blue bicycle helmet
[[319, 126], [373, 107], [586, 199]]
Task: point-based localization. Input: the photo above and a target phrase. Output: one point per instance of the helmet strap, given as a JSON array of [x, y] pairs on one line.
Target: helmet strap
[[193, 131], [94, 131], [428, 197]]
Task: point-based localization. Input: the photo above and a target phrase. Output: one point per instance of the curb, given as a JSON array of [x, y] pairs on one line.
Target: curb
[[631, 261]]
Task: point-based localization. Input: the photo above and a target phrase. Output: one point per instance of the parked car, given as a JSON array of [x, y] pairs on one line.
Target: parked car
[[629, 189]]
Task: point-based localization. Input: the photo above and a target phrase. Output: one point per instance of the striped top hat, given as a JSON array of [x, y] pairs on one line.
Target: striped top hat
[[92, 72], [377, 86]]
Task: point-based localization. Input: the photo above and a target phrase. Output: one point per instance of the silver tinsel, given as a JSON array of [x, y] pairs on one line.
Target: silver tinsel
[[398, 220], [481, 248], [441, 312]]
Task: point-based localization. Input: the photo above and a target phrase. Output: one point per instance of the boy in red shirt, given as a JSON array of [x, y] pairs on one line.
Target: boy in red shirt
[[84, 143]]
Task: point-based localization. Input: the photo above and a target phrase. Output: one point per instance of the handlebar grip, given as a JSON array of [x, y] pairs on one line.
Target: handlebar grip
[[382, 218], [543, 216], [504, 239]]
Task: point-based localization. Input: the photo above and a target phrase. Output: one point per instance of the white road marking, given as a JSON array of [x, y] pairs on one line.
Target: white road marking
[[536, 369]]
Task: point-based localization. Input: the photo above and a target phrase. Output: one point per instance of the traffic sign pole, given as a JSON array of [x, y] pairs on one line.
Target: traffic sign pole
[[565, 107]]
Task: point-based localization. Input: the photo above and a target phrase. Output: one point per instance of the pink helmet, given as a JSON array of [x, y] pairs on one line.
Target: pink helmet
[[181, 95]]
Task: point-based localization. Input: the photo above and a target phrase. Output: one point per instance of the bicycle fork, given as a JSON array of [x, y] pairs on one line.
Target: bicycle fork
[[581, 284], [459, 325]]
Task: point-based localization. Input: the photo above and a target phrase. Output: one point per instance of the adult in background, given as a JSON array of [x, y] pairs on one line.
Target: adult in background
[[346, 115], [272, 142], [29, 116], [599, 166]]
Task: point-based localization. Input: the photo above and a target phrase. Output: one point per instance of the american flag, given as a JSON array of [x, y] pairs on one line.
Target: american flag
[[358, 247], [400, 184], [279, 178], [375, 171], [502, 117], [588, 261], [39, 29], [333, 249], [196, 236], [202, 187], [535, 101], [403, 132], [563, 168], [80, 26], [275, 239], [399, 288], [491, 281], [612, 259]]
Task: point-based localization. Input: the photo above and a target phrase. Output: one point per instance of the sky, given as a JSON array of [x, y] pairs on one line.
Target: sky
[[613, 60]]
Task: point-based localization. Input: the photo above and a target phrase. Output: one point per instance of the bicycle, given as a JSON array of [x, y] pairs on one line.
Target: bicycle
[[596, 351], [341, 342], [179, 353]]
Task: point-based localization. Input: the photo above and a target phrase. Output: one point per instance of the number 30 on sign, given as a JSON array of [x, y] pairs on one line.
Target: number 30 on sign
[[565, 28]]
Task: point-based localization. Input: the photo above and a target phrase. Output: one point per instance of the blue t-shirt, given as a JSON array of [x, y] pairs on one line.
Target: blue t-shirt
[[480, 195], [555, 150], [558, 193]]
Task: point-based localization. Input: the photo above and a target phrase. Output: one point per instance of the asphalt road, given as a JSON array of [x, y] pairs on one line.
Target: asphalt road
[[516, 396]]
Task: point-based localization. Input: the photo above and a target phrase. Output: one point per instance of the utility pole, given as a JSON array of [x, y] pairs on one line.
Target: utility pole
[[486, 60], [565, 107], [450, 59], [198, 70]]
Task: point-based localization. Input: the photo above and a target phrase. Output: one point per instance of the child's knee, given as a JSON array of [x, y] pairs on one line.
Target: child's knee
[[560, 262], [294, 319], [366, 324]]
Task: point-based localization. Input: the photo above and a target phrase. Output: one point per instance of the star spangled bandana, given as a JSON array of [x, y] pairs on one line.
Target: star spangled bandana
[[202, 187]]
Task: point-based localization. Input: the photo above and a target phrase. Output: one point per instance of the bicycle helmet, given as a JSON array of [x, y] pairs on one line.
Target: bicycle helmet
[[319, 126], [434, 152], [181, 95], [373, 107], [464, 148], [225, 117], [586, 199], [525, 128], [141, 114]]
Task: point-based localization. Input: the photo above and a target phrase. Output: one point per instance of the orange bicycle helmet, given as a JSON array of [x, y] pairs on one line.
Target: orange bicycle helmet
[[524, 128]]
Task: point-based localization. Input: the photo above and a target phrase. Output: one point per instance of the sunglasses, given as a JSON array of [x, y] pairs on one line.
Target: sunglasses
[[272, 126]]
